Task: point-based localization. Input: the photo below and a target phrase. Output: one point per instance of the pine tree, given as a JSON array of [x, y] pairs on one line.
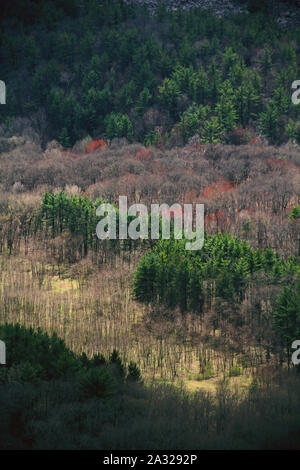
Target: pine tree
[[226, 113], [169, 94], [295, 213], [118, 125], [229, 59], [267, 61], [64, 138], [190, 120], [134, 373], [268, 123], [281, 100], [212, 131], [214, 80]]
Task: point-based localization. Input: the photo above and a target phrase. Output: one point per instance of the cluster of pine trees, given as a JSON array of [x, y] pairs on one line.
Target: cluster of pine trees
[[192, 279], [60, 212], [222, 273], [77, 216], [34, 356]]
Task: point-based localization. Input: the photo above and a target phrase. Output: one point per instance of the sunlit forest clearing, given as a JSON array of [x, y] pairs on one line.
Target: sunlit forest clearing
[[94, 311], [86, 295], [98, 314]]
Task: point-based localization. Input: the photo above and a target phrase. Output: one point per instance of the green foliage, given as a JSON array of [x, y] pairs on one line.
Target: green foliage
[[235, 371], [226, 113], [64, 139], [223, 268], [83, 90], [118, 366], [169, 94], [267, 60], [192, 119], [151, 138], [59, 212], [97, 382], [213, 130], [246, 100], [76, 217], [268, 122], [118, 125], [281, 100], [207, 372], [56, 416], [293, 131], [34, 354], [295, 213], [145, 98], [24, 372], [134, 373]]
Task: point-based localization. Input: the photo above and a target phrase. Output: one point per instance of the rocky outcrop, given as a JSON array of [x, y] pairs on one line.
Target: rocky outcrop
[[287, 14], [219, 7]]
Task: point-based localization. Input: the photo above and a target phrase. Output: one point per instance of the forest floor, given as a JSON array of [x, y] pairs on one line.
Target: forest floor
[[241, 382], [94, 311]]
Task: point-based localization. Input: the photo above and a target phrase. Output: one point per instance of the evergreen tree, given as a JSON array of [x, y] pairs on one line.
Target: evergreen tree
[[295, 213], [281, 100], [134, 373], [118, 125], [268, 123], [64, 138], [169, 94], [267, 61], [212, 131], [226, 113], [144, 100], [191, 120]]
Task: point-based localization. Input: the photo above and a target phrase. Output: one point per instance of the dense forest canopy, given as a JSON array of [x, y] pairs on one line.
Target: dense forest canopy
[[110, 69]]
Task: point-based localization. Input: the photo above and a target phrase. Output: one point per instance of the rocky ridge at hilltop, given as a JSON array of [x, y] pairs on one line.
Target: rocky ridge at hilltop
[[287, 14]]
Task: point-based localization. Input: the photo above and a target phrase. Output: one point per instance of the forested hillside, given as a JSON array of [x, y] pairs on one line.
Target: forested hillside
[[109, 69], [139, 343]]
